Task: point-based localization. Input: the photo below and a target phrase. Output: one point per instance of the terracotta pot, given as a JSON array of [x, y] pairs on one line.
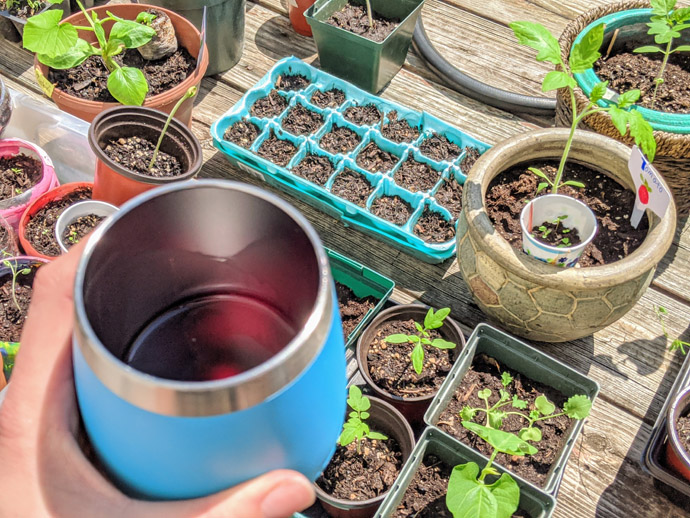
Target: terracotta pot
[[384, 418], [536, 300], [677, 456], [40, 202], [116, 184], [412, 408], [297, 19], [188, 37]]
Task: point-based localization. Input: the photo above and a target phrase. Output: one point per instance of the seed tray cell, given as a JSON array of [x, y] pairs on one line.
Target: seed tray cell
[[382, 181]]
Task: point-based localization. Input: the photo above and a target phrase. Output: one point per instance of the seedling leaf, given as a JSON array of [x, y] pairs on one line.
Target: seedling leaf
[[440, 343], [585, 53], [530, 434], [519, 403], [506, 379], [484, 394], [128, 85], [544, 406], [467, 497], [502, 441], [43, 34], [417, 358], [397, 339], [540, 39], [72, 58], [555, 80], [598, 91], [377, 436], [577, 407], [131, 33]]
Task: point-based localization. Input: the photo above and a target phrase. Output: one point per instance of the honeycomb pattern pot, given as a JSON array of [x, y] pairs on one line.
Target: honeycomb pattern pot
[[535, 300]]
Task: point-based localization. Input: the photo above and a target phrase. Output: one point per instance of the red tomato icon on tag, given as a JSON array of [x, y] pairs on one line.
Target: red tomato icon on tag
[[643, 191]]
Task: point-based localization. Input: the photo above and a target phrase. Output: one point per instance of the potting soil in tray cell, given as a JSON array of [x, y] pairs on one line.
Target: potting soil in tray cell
[[353, 155]]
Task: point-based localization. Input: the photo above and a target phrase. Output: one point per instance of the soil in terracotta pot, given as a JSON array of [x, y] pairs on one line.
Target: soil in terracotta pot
[[390, 366], [399, 130], [374, 159], [354, 18], [449, 195], [485, 373], [611, 203], [270, 106], [432, 227], [18, 174], [352, 308], [40, 230], [366, 115], [315, 168], [438, 147], [360, 476], [392, 208], [135, 154], [276, 150], [292, 82], [352, 186], [626, 71], [416, 176], [683, 429], [329, 99], [471, 156], [89, 80], [301, 121], [76, 231], [13, 312], [242, 133], [21, 9], [556, 233], [340, 140]]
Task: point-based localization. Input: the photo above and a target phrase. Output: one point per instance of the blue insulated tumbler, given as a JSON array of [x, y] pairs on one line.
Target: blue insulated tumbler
[[208, 347]]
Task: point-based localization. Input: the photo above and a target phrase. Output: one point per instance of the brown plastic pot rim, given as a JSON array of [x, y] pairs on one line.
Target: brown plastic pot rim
[[155, 117], [646, 257], [680, 403]]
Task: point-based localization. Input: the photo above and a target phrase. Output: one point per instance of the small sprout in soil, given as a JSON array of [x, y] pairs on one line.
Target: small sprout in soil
[[564, 242], [17, 170], [189, 93], [666, 24], [355, 428], [73, 236], [431, 321], [544, 231], [12, 265], [677, 344], [369, 14], [18, 190]]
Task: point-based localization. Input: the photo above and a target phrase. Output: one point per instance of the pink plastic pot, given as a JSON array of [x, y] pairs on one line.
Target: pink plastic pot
[[12, 209]]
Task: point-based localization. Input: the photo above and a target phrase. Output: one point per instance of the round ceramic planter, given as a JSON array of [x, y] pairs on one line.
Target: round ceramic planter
[[676, 455], [116, 184], [412, 408], [188, 37], [76, 211], [384, 418], [532, 299]]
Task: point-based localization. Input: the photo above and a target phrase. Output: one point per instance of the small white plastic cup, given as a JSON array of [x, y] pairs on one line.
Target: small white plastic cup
[[76, 211], [549, 208]]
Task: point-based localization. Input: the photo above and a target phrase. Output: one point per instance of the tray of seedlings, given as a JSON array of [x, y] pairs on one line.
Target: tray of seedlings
[[392, 172]]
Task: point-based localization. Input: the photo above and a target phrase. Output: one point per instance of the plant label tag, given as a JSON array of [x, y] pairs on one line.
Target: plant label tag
[[202, 42], [651, 192], [611, 95]]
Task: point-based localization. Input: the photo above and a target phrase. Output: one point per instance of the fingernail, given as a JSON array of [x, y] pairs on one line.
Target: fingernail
[[287, 497]]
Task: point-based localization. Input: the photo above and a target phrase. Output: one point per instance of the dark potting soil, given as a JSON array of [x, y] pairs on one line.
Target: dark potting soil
[[315, 168], [392, 208], [390, 366], [683, 429], [21, 9], [626, 71], [399, 130], [340, 140], [13, 313], [366, 115], [352, 187], [18, 174], [292, 82], [135, 154], [352, 308], [449, 195], [353, 17], [329, 99], [5, 240], [270, 106], [416, 176], [76, 231], [611, 203], [374, 159], [40, 230], [361, 476], [301, 121], [89, 80], [485, 373], [556, 234], [242, 133], [432, 227], [276, 150], [471, 156], [438, 147]]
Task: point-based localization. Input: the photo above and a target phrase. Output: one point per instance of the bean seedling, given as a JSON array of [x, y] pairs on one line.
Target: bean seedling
[[189, 93], [676, 344], [12, 265], [355, 428]]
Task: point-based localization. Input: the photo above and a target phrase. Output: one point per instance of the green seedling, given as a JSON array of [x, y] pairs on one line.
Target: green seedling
[[58, 45], [565, 241], [582, 57], [17, 190], [355, 428], [73, 237], [189, 93], [12, 265], [34, 5], [676, 344], [369, 13], [666, 24], [423, 337], [16, 170], [544, 231]]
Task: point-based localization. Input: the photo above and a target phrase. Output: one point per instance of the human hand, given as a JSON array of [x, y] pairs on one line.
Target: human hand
[[44, 472]]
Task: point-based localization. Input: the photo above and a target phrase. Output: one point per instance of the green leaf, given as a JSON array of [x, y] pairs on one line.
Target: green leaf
[[662, 7], [43, 34], [496, 419], [586, 52], [628, 98], [538, 37], [419, 327], [577, 407], [504, 395], [544, 406], [598, 91], [519, 403], [417, 357], [619, 118], [573, 183], [557, 79], [681, 15], [441, 314], [440, 343], [506, 378], [132, 34], [647, 49], [348, 435], [467, 413], [75, 57], [397, 339], [145, 18], [643, 134], [539, 173], [377, 436], [415, 339], [128, 85], [682, 48], [429, 318], [530, 434], [469, 498], [504, 442], [364, 415], [534, 414], [484, 394], [541, 187]]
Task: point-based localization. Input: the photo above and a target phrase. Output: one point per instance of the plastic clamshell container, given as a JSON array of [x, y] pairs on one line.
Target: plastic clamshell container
[[537, 503], [531, 363], [402, 237], [364, 282]]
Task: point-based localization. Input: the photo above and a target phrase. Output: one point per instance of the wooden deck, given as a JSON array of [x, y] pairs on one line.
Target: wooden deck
[[629, 359]]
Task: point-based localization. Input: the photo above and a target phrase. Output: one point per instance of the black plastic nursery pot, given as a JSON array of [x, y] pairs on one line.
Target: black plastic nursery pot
[[536, 503], [531, 363], [366, 63]]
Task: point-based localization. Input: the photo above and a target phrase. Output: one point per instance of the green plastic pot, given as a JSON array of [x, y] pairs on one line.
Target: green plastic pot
[[367, 64], [528, 361], [536, 503]]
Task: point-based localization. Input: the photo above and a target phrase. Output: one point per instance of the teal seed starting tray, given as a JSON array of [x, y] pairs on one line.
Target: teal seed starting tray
[[363, 162]]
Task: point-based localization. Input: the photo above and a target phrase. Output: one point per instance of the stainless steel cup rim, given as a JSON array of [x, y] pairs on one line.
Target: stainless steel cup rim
[[205, 398]]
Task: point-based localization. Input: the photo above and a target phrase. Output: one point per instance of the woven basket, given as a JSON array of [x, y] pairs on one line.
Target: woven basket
[[673, 149]]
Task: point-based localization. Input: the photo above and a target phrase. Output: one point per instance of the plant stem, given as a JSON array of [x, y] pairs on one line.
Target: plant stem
[[369, 14], [561, 166], [488, 465], [189, 93], [660, 76]]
